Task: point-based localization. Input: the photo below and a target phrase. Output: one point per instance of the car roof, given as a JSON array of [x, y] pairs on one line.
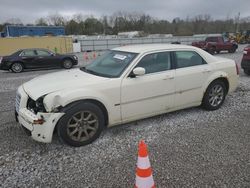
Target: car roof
[[143, 48], [35, 49], [147, 48]]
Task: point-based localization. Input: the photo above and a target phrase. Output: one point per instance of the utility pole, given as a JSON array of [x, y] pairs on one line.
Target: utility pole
[[237, 20]]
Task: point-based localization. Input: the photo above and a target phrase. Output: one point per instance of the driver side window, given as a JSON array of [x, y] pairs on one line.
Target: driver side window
[[155, 62]]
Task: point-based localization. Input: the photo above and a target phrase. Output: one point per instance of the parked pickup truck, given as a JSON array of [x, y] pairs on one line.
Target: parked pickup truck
[[216, 44]]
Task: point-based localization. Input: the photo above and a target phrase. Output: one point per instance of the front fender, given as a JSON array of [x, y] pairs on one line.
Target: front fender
[[63, 98]]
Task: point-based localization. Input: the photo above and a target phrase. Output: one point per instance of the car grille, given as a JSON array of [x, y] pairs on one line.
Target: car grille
[[18, 99]]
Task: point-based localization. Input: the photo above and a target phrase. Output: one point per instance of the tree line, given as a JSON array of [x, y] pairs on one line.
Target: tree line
[[134, 21]]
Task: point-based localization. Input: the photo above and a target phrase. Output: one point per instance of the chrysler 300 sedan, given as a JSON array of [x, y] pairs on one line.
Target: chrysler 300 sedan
[[36, 58], [125, 84]]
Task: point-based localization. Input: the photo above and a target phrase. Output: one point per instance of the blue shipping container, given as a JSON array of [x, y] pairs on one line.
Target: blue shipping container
[[17, 31]]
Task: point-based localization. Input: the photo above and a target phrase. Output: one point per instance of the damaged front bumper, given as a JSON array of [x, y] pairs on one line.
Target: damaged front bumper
[[40, 125]]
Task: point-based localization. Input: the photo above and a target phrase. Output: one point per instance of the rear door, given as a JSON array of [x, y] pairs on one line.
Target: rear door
[[220, 44], [191, 73]]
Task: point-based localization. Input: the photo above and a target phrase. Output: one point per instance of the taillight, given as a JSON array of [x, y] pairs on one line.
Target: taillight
[[245, 50], [237, 69]]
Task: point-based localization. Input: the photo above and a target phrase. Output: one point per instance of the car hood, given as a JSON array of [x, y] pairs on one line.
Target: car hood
[[5, 57], [74, 78]]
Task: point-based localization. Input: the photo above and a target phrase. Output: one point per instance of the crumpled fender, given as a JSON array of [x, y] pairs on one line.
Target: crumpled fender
[[65, 97]]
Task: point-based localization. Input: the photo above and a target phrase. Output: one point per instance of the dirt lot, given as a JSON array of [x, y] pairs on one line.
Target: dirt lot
[[188, 148]]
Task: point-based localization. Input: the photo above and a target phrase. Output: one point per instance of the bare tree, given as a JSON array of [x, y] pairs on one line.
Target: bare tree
[[41, 22], [14, 21], [56, 19], [138, 21], [78, 17]]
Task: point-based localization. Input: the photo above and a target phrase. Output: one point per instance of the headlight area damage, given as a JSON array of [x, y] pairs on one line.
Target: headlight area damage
[[36, 106], [40, 118]]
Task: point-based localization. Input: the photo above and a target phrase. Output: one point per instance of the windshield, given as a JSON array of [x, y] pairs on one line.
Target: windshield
[[111, 64], [225, 39], [16, 53]]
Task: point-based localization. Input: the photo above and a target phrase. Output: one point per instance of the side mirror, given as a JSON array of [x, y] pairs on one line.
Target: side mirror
[[139, 71]]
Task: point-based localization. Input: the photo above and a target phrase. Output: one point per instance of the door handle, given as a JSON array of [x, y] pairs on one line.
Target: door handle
[[168, 77]]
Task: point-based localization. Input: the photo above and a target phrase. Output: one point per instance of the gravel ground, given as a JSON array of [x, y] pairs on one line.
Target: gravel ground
[[188, 148]]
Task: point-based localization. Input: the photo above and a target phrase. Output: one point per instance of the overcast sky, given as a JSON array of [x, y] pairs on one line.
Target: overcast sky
[[29, 10]]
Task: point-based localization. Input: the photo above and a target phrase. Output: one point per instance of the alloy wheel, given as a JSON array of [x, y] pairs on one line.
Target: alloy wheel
[[82, 126], [17, 67], [216, 95], [67, 64]]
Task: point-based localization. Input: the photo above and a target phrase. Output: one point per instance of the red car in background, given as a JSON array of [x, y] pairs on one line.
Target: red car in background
[[216, 44], [245, 62]]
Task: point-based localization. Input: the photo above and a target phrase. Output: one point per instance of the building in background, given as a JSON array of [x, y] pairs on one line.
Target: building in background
[[18, 31], [129, 34]]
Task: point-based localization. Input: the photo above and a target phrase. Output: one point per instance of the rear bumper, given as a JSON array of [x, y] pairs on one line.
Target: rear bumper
[[233, 83], [40, 133]]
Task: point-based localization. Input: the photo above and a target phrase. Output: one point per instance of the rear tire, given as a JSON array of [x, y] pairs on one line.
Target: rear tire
[[214, 96], [247, 72], [16, 67], [67, 64], [81, 125]]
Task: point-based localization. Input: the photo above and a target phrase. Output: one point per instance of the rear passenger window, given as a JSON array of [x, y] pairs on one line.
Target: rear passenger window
[[28, 53], [188, 59], [156, 62]]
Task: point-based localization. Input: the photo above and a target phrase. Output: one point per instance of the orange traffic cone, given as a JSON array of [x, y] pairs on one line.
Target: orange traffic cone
[[144, 177], [85, 56]]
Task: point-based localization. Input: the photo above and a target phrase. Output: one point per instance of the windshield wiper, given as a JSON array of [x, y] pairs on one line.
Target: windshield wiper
[[92, 72], [87, 70]]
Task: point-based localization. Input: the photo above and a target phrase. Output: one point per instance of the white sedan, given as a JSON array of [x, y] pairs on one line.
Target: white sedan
[[125, 84]]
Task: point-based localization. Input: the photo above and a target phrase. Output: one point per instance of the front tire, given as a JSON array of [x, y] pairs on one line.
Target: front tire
[[214, 96], [212, 50], [16, 67], [67, 64], [81, 125], [232, 50]]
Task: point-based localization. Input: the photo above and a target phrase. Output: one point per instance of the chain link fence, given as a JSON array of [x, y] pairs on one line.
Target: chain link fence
[[105, 44]]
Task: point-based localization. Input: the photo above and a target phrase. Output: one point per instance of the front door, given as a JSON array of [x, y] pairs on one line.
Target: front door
[[28, 58], [46, 59], [152, 93]]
